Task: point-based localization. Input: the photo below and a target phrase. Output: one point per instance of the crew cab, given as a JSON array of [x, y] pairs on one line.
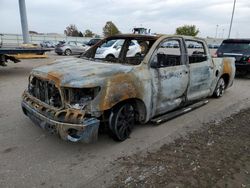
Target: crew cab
[[74, 97]]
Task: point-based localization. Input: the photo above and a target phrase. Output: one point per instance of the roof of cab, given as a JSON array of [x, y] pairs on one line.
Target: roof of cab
[[150, 37]]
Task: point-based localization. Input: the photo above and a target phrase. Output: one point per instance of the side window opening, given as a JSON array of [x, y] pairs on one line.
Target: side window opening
[[196, 51], [72, 43], [168, 54]]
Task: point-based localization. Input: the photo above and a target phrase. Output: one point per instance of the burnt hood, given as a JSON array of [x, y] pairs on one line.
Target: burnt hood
[[77, 72]]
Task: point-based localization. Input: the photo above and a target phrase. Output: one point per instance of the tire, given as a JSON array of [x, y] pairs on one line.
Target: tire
[[121, 121], [110, 57], [220, 88], [67, 52]]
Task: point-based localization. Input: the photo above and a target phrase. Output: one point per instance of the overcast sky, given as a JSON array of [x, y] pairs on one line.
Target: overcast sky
[[161, 16]]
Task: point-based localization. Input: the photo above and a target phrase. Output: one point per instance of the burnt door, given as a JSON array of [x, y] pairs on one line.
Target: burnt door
[[170, 75], [201, 70]]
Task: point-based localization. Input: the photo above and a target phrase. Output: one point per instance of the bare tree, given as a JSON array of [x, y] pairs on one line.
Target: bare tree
[[71, 30]]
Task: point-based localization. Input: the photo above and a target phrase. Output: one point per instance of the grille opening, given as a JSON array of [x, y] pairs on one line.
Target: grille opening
[[45, 91]]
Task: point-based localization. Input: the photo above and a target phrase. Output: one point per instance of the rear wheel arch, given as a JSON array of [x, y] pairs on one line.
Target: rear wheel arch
[[220, 87], [226, 78]]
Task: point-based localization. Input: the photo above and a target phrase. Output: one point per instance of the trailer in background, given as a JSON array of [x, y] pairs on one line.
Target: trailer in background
[[15, 54]]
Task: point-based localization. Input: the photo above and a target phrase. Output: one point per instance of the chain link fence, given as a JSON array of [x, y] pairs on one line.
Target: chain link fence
[[11, 40]]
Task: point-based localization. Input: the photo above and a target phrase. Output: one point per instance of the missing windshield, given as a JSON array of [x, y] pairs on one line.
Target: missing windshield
[[120, 50]]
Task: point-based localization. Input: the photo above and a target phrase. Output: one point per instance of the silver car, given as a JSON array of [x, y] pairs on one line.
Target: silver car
[[70, 47]]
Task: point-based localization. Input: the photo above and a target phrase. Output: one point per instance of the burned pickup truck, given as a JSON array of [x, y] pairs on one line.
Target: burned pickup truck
[[75, 97]]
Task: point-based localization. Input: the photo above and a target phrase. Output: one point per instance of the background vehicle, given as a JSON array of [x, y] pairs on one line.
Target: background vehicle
[[213, 46], [60, 43], [47, 44], [112, 48], [93, 41], [72, 97], [240, 50], [90, 43], [71, 47], [141, 31]]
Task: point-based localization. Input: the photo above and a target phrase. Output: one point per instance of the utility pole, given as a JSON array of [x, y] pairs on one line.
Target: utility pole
[[24, 21], [216, 31], [231, 20]]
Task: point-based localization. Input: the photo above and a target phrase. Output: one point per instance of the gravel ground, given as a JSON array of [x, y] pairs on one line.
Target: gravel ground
[[217, 155]]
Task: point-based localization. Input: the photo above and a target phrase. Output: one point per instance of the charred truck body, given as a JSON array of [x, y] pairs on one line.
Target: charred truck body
[[73, 97]]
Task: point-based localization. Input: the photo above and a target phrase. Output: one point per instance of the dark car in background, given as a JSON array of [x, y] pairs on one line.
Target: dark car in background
[[240, 50], [93, 41]]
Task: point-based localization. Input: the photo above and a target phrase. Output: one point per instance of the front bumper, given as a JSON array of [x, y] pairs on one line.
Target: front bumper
[[100, 56], [59, 50], [87, 131]]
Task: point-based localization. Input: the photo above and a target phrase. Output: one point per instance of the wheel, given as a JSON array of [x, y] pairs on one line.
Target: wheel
[[220, 88], [121, 121], [67, 52], [109, 57]]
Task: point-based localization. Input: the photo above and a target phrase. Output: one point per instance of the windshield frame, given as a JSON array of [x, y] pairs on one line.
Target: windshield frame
[[90, 53]]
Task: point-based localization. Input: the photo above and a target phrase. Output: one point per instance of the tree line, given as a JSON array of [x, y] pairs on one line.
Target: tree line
[[111, 29]]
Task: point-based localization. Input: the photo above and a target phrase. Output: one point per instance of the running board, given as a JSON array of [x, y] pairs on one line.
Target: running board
[[179, 112]]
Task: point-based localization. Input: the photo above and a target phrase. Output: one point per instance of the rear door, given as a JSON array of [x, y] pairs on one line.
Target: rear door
[[170, 75], [201, 70]]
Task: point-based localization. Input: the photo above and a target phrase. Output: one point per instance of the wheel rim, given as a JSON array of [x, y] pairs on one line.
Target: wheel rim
[[124, 122], [67, 52], [221, 88]]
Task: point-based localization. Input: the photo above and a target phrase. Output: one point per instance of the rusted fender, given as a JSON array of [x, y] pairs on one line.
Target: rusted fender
[[224, 66]]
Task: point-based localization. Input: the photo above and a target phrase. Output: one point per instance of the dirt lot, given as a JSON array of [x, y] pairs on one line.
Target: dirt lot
[[217, 155], [30, 157]]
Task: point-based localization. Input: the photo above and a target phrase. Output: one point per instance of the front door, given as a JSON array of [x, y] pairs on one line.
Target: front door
[[170, 75], [72, 45], [79, 48]]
